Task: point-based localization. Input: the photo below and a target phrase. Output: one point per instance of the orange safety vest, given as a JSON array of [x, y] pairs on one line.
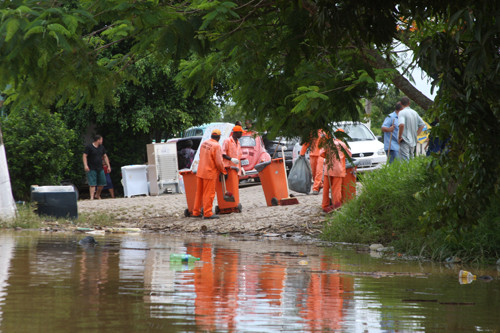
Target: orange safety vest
[[335, 165], [210, 164], [314, 144], [232, 149]]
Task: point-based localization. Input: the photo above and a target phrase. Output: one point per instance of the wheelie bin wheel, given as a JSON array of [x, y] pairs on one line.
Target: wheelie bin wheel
[[274, 202], [187, 213], [239, 208], [217, 210]]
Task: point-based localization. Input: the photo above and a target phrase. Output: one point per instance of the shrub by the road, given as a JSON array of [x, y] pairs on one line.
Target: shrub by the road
[[37, 145], [390, 207]]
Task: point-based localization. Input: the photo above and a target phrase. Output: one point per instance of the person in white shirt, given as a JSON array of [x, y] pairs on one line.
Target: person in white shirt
[[410, 126]]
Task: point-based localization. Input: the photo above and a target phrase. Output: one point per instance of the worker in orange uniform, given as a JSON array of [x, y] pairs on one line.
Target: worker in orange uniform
[[231, 150], [334, 173], [316, 161], [209, 168]]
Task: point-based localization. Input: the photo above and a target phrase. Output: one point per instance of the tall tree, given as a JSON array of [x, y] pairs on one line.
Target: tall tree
[[307, 60]]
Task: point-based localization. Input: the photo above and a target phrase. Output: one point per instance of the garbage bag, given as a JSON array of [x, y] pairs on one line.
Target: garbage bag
[[300, 177]]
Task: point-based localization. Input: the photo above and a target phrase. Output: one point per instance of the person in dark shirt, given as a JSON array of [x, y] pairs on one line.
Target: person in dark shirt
[[93, 155]]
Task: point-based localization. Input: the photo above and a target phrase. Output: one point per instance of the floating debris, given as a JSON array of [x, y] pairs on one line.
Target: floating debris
[[485, 278], [88, 241], [378, 274], [466, 277], [123, 230], [84, 229], [96, 232], [419, 300], [457, 303]]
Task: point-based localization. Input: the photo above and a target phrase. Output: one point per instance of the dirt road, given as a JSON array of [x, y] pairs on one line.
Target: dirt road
[[166, 212]]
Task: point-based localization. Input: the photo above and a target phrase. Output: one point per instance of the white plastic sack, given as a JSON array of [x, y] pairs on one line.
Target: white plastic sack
[[300, 177]]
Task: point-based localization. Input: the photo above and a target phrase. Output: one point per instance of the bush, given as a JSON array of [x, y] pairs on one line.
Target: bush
[[391, 207], [386, 205], [37, 145]]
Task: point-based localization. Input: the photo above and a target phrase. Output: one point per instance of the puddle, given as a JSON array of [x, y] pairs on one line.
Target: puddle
[[241, 284]]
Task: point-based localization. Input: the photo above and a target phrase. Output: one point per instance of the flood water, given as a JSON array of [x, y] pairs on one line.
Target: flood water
[[49, 283]]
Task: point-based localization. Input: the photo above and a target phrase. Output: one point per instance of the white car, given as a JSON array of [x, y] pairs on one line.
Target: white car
[[364, 146]]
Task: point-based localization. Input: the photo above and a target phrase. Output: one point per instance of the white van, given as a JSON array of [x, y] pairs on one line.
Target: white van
[[366, 150]]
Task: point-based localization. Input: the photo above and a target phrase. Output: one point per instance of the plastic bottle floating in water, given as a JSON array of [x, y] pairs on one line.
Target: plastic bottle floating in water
[[465, 277], [179, 266], [183, 257]]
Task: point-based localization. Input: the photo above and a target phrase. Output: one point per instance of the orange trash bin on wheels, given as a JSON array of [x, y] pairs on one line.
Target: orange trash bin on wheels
[[349, 182], [189, 178], [232, 190], [273, 179]]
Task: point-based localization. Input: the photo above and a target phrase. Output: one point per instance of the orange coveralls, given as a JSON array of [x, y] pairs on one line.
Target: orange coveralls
[[316, 161], [334, 174], [232, 149], [209, 167]]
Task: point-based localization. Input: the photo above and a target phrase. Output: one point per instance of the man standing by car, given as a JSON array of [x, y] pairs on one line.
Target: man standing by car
[[334, 173], [316, 161], [93, 156], [390, 127], [209, 167], [410, 126], [231, 149]]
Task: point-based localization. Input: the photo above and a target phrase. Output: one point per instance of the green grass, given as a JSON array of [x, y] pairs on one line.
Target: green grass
[[96, 219], [386, 205], [390, 207], [27, 218]]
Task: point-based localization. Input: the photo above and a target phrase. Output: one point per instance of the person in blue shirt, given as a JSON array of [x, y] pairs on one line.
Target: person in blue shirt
[[391, 130]]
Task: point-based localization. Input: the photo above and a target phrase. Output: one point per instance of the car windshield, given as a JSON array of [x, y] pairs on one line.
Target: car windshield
[[247, 141], [358, 132]]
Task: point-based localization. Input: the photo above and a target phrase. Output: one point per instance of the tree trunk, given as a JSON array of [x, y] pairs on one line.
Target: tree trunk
[[368, 111], [376, 60], [7, 204]]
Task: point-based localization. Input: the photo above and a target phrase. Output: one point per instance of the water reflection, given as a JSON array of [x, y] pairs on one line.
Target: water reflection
[[127, 283]]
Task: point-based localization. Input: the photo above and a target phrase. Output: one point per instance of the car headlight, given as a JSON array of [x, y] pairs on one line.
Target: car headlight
[[381, 151]]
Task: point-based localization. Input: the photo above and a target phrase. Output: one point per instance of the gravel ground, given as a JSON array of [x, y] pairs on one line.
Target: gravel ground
[[166, 213]]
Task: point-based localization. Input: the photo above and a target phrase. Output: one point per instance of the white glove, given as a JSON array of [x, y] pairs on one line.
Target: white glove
[[243, 172], [235, 161]]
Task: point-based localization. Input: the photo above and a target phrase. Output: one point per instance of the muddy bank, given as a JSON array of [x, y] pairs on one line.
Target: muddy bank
[[166, 213]]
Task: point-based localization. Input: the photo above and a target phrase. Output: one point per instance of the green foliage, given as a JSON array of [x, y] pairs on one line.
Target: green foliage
[[38, 148], [45, 44], [391, 209], [464, 57], [479, 242], [155, 104], [152, 106], [266, 54], [26, 218], [387, 206], [280, 70]]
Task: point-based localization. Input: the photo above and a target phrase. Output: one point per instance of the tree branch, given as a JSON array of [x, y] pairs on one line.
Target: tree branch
[[375, 59]]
